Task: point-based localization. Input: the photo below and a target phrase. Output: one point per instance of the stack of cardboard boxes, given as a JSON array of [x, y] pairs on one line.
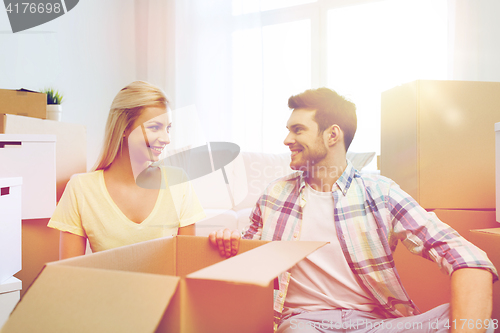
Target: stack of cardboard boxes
[[44, 154], [438, 144]]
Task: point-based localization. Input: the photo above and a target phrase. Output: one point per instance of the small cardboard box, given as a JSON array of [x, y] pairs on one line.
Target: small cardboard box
[[174, 284], [71, 144], [489, 241], [497, 166], [435, 135], [23, 102]]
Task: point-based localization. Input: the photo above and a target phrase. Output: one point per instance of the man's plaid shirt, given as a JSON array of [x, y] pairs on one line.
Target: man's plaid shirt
[[372, 214]]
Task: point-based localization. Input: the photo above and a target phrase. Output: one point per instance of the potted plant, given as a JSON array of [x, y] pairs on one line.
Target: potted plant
[[54, 100]]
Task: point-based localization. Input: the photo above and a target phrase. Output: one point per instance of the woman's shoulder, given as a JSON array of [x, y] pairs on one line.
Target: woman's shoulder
[[85, 179], [87, 176]]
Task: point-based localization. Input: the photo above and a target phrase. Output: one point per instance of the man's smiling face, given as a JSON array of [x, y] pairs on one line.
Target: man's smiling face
[[304, 141]]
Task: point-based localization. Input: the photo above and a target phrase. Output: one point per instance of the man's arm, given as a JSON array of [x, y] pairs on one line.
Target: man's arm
[[471, 300]]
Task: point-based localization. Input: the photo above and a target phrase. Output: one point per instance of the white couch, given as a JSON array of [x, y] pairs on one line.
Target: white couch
[[248, 176]]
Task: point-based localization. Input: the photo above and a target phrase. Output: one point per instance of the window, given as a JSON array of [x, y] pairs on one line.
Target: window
[[376, 46], [249, 56]]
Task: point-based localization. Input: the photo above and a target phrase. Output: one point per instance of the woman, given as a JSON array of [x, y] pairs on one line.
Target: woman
[[107, 206]]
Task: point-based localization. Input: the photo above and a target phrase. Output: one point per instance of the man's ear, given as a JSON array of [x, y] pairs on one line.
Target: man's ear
[[334, 135]]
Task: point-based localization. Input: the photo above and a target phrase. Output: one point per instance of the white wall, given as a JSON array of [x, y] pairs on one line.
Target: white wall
[[89, 54]]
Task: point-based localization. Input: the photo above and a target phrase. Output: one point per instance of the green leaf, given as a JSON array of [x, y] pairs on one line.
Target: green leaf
[[53, 96]]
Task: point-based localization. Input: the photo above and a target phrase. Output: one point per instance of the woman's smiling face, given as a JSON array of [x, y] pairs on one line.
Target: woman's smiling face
[[150, 134]]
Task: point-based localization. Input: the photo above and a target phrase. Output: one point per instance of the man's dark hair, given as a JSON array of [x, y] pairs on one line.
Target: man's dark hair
[[331, 108]]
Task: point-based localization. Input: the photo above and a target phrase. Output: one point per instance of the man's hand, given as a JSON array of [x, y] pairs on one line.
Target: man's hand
[[227, 241]]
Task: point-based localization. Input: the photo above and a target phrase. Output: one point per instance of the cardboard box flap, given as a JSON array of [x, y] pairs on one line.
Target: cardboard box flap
[[27, 90], [141, 257], [75, 299], [492, 231], [197, 253], [261, 265]]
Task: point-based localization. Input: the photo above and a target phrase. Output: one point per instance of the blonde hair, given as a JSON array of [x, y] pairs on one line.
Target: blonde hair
[[125, 109]]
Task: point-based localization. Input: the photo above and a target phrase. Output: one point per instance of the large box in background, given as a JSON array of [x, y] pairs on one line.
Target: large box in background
[[416, 272], [489, 241], [71, 145], [176, 284], [497, 163], [438, 142], [10, 227], [32, 157], [23, 102]]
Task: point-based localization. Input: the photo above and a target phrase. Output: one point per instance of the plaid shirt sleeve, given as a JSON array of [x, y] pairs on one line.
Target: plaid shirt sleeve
[[424, 234], [254, 230]]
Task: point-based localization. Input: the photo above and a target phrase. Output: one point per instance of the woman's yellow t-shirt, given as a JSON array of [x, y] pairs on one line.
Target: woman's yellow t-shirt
[[86, 209]]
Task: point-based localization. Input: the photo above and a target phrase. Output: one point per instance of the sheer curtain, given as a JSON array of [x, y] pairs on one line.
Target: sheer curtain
[[474, 36], [232, 64]]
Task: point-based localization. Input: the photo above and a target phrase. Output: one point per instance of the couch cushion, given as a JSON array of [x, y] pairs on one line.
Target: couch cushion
[[243, 218], [216, 219], [258, 171]]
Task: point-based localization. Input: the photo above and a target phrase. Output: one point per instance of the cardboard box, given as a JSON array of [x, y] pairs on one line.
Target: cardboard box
[[438, 142], [10, 227], [23, 102], [427, 286], [71, 144], [497, 163], [40, 245], [32, 157], [489, 241], [175, 284], [9, 296]]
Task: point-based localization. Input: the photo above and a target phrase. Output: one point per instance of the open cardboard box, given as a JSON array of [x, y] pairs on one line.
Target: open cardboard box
[[173, 284]]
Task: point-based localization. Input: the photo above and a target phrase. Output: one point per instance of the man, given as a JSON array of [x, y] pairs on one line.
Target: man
[[351, 284]]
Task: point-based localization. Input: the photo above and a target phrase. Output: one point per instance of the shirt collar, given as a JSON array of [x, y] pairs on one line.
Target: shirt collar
[[343, 183], [345, 179]]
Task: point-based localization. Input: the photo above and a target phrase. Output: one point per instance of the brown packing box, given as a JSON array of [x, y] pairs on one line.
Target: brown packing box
[[489, 241], [23, 102], [427, 286], [175, 284], [438, 142]]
